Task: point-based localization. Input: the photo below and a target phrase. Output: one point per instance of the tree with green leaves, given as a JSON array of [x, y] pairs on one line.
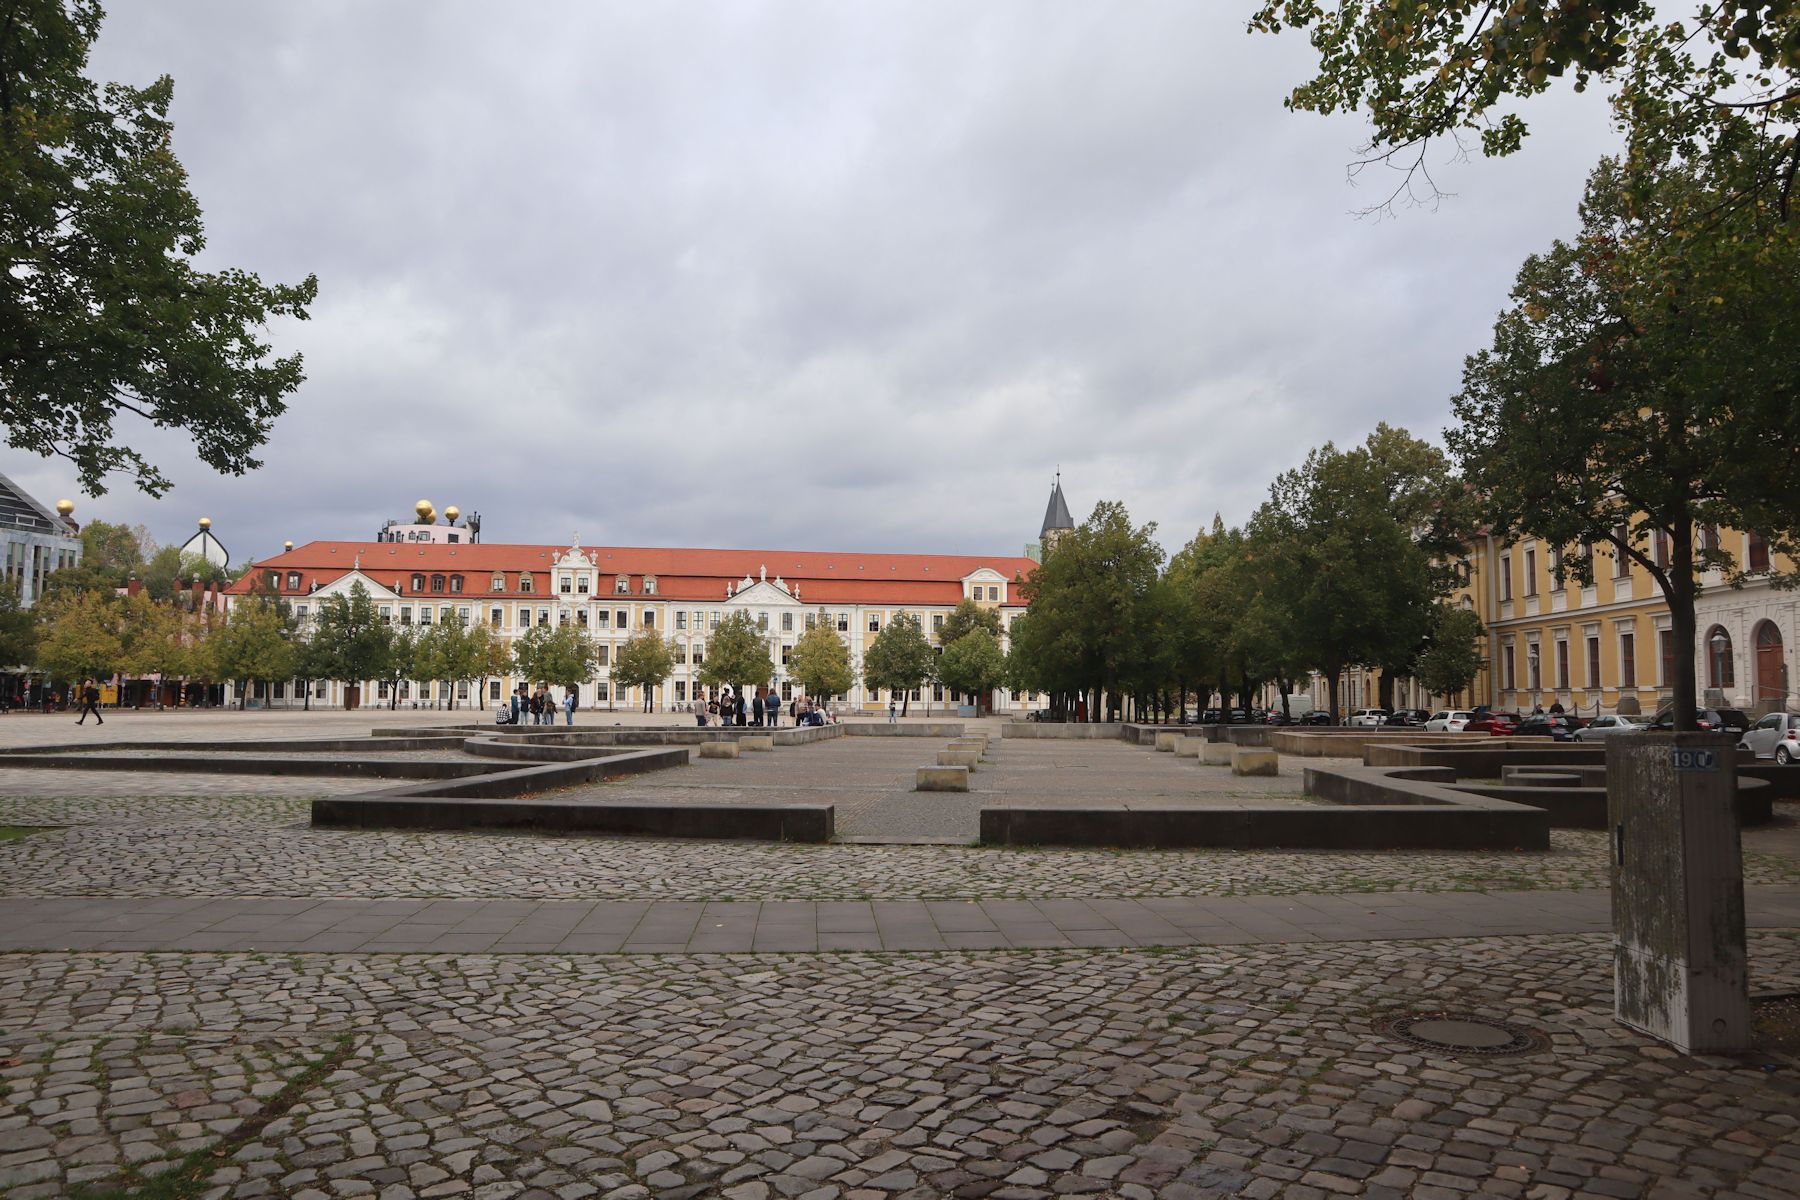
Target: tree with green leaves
[[973, 664], [18, 628], [355, 644], [737, 653], [80, 636], [1452, 659], [313, 660], [1088, 605], [155, 638], [968, 616], [169, 570], [491, 655], [562, 655], [644, 661], [821, 661], [114, 551], [253, 645], [103, 312], [1680, 84], [1638, 387], [900, 658], [396, 663]]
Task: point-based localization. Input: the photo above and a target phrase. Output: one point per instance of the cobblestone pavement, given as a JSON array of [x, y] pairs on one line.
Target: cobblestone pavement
[[124, 845], [869, 783], [1257, 1072]]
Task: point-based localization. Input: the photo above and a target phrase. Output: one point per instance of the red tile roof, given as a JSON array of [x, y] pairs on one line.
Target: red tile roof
[[681, 574]]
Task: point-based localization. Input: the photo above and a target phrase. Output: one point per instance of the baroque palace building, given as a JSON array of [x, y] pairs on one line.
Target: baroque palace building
[[1609, 646], [430, 572]]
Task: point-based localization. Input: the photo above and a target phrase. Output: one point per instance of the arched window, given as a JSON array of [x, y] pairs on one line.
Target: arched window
[[1771, 667], [1718, 658], [1756, 557]]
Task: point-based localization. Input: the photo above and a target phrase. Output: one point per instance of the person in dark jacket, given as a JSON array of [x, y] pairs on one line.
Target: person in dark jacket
[[90, 703], [742, 711], [773, 704]]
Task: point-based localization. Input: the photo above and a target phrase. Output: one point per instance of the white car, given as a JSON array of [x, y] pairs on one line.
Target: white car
[[1367, 717], [1775, 736], [1449, 720], [1605, 727]]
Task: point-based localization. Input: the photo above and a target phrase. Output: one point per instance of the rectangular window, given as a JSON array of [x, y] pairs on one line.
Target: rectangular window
[[581, 586], [1659, 548], [812, 620], [493, 689], [425, 615], [1665, 651], [649, 618], [496, 616], [937, 622], [622, 586], [1562, 665], [762, 621], [1531, 571], [497, 583], [699, 649], [787, 622], [1628, 660], [785, 650], [1508, 668], [875, 695], [524, 618], [937, 692], [1556, 580], [681, 620], [1506, 577], [678, 652], [843, 622], [562, 617], [1756, 556], [1621, 563], [993, 594], [581, 617], [874, 622], [524, 581], [605, 649], [715, 618], [387, 614], [543, 616], [622, 618], [603, 618], [567, 585], [600, 690], [1593, 660], [681, 691]]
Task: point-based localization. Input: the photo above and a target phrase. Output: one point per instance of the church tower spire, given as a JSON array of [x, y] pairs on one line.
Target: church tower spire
[[1056, 522]]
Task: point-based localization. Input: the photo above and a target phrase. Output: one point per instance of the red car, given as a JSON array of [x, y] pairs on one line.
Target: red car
[[1499, 724]]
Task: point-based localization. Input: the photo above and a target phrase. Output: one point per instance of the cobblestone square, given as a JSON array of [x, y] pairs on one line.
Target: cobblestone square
[[266, 1010]]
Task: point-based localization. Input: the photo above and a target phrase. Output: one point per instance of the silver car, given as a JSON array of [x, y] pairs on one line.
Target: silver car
[[1773, 737], [1605, 727]]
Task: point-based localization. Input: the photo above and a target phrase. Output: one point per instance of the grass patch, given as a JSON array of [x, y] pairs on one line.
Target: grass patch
[[12, 833]]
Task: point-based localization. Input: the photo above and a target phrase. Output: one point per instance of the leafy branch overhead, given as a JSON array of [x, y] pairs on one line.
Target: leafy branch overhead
[[103, 313]]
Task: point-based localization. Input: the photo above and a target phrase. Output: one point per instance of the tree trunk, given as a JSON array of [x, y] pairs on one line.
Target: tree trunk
[[1331, 682], [1680, 595], [1384, 691]]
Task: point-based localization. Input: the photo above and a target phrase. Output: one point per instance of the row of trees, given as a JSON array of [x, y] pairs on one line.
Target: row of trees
[[1349, 562]]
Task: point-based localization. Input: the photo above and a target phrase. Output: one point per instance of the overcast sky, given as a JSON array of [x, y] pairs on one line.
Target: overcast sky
[[817, 276]]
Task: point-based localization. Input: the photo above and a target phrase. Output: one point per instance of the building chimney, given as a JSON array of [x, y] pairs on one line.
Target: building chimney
[[133, 586]]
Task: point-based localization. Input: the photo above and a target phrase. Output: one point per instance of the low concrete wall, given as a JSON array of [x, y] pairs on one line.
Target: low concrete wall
[[773, 823], [1483, 760], [1309, 741], [925, 729], [1238, 735], [684, 735], [1060, 729], [277, 745], [371, 768]]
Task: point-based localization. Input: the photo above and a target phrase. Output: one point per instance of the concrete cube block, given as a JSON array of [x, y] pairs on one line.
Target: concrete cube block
[[1188, 746], [1165, 740], [942, 779], [719, 750], [1216, 754], [757, 741], [1254, 760], [959, 758]]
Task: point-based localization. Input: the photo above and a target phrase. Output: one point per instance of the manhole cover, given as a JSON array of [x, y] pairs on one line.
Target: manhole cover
[[1462, 1034]]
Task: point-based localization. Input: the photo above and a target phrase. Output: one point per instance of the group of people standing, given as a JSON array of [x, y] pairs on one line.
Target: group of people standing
[[725, 708], [539, 707]]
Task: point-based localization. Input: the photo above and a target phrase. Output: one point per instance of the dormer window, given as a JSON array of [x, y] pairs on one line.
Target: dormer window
[[293, 581], [622, 586], [456, 583], [437, 583], [649, 585], [524, 581], [418, 583], [274, 581], [498, 583]]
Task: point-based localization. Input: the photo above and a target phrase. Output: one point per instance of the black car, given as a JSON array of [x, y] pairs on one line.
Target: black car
[[1237, 716], [1315, 716], [1411, 717], [1710, 720], [1560, 726], [1212, 716], [1277, 717]]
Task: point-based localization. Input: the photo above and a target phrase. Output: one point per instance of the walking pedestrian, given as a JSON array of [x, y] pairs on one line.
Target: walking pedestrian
[[569, 705], [90, 703], [893, 710], [699, 708]]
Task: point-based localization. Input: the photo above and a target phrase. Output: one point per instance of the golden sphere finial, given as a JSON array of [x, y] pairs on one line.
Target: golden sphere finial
[[425, 512], [287, 545], [206, 522], [65, 507], [451, 512]]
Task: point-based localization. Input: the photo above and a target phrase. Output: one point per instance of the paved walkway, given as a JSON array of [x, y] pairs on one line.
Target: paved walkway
[[189, 923]]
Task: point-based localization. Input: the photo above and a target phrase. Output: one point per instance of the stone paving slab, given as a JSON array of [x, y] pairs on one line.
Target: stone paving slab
[[1124, 1074], [597, 927]]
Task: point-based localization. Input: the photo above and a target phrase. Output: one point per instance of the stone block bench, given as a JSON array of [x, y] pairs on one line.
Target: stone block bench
[[942, 779], [1253, 760], [1216, 754], [959, 758], [1188, 746], [756, 741], [719, 749]]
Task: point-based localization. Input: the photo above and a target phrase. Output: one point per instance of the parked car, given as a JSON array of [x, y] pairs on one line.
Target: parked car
[[1710, 720], [1449, 720], [1367, 718], [1559, 726], [1236, 716], [1604, 727], [1776, 736], [1211, 716], [1499, 724], [1411, 717], [1313, 716]]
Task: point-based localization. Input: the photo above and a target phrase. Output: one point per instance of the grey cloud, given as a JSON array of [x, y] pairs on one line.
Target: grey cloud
[[808, 275]]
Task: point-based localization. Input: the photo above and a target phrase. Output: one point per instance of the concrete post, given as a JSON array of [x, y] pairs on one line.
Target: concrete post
[[1679, 970]]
